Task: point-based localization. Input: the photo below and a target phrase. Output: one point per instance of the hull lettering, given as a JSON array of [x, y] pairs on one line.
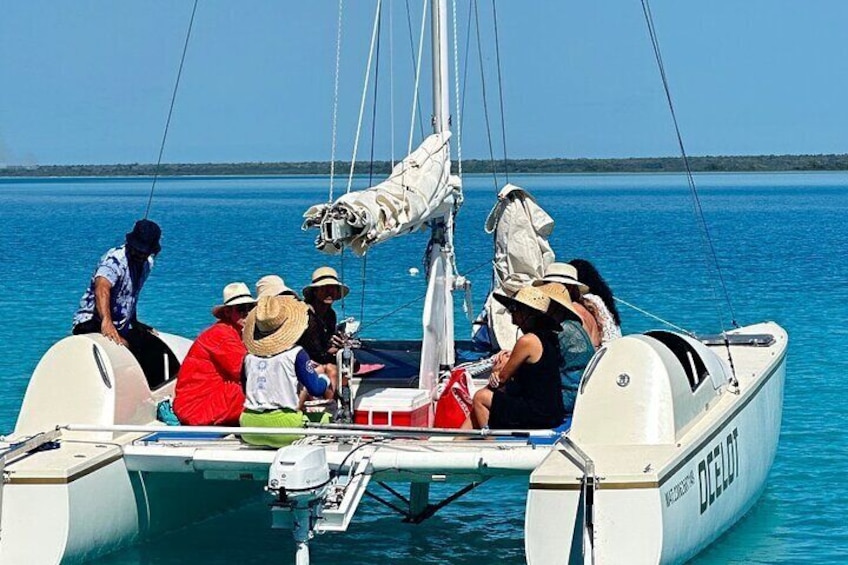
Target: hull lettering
[[679, 489], [718, 470]]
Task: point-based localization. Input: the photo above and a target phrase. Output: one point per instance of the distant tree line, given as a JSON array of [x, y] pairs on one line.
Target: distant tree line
[[734, 164]]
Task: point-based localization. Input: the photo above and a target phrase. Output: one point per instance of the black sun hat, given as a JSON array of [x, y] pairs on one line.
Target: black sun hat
[[144, 237]]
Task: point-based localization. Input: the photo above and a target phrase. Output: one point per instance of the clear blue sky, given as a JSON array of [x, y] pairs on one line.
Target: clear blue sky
[[90, 81]]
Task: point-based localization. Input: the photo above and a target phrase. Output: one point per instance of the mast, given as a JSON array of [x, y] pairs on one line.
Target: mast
[[437, 346], [441, 72]]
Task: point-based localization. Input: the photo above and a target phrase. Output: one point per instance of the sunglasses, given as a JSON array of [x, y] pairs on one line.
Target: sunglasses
[[329, 290], [244, 309]]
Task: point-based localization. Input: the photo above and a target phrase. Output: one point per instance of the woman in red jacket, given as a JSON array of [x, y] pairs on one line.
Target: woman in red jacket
[[209, 388]]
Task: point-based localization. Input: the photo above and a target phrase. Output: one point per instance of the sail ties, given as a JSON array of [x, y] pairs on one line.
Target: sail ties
[[418, 189]]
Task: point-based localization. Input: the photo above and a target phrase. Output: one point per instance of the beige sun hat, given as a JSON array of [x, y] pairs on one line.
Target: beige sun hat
[[558, 294], [234, 294], [561, 273], [274, 325], [325, 276], [272, 285], [529, 297]]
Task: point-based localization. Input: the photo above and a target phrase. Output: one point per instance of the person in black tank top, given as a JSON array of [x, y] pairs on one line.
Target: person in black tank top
[[525, 394], [575, 345]]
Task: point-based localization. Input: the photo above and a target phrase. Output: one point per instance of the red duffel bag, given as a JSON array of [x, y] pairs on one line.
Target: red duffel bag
[[454, 405]]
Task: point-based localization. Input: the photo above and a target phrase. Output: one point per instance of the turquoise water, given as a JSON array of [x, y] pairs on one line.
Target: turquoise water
[[780, 240]]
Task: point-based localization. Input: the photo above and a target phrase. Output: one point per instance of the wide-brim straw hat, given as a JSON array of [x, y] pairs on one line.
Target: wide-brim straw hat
[[234, 294], [532, 300], [559, 296], [274, 325], [325, 276], [562, 273], [272, 285]]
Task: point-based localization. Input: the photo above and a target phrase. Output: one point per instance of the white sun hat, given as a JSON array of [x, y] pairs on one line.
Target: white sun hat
[[325, 276], [272, 285], [234, 294], [562, 273]]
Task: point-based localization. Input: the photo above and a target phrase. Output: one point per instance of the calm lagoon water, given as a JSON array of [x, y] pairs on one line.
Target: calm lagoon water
[[780, 240]]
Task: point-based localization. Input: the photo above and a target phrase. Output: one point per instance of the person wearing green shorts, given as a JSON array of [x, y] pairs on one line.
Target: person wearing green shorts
[[273, 369], [277, 419]]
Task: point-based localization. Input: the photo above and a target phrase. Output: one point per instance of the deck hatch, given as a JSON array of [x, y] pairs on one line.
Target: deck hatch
[[694, 367]]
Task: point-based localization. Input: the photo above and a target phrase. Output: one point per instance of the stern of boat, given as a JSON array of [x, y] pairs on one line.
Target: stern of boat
[[668, 449], [68, 496]]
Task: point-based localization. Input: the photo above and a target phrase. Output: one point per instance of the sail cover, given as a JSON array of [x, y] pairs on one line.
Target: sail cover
[[419, 188], [522, 253]]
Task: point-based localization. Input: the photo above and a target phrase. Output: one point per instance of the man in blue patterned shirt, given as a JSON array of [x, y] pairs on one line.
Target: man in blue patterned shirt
[[110, 301]]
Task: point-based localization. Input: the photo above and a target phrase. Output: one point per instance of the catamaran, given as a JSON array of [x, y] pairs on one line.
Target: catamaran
[[670, 443]]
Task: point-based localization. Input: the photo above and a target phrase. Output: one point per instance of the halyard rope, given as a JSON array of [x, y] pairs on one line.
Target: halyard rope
[[657, 318], [417, 75], [500, 90], [374, 30], [170, 111], [485, 102], [699, 212], [412, 56], [336, 101], [456, 92]]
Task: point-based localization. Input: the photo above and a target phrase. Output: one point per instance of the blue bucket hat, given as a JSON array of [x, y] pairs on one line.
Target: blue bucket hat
[[144, 237]]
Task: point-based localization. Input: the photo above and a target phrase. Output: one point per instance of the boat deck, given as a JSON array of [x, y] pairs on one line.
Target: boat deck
[[440, 458], [224, 456]]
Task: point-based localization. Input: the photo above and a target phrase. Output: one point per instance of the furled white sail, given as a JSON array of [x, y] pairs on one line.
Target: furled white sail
[[419, 188], [522, 253]]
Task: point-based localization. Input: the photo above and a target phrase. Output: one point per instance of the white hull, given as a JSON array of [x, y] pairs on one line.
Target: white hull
[[105, 510], [69, 522], [656, 502], [98, 491], [664, 503]]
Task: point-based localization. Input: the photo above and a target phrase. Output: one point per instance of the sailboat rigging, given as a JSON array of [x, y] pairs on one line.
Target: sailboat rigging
[[669, 444]]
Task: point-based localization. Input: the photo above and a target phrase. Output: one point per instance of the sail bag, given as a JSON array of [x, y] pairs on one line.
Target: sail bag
[[418, 189], [522, 254]]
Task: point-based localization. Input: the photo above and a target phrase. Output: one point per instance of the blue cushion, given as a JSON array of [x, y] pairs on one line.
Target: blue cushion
[[561, 429], [179, 435]]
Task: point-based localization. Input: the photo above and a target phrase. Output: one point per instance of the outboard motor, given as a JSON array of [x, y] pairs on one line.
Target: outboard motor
[[299, 478]]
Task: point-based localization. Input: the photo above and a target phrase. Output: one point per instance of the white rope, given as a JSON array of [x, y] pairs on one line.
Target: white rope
[[657, 318], [392, 80], [417, 75], [458, 124], [336, 101], [364, 93]]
